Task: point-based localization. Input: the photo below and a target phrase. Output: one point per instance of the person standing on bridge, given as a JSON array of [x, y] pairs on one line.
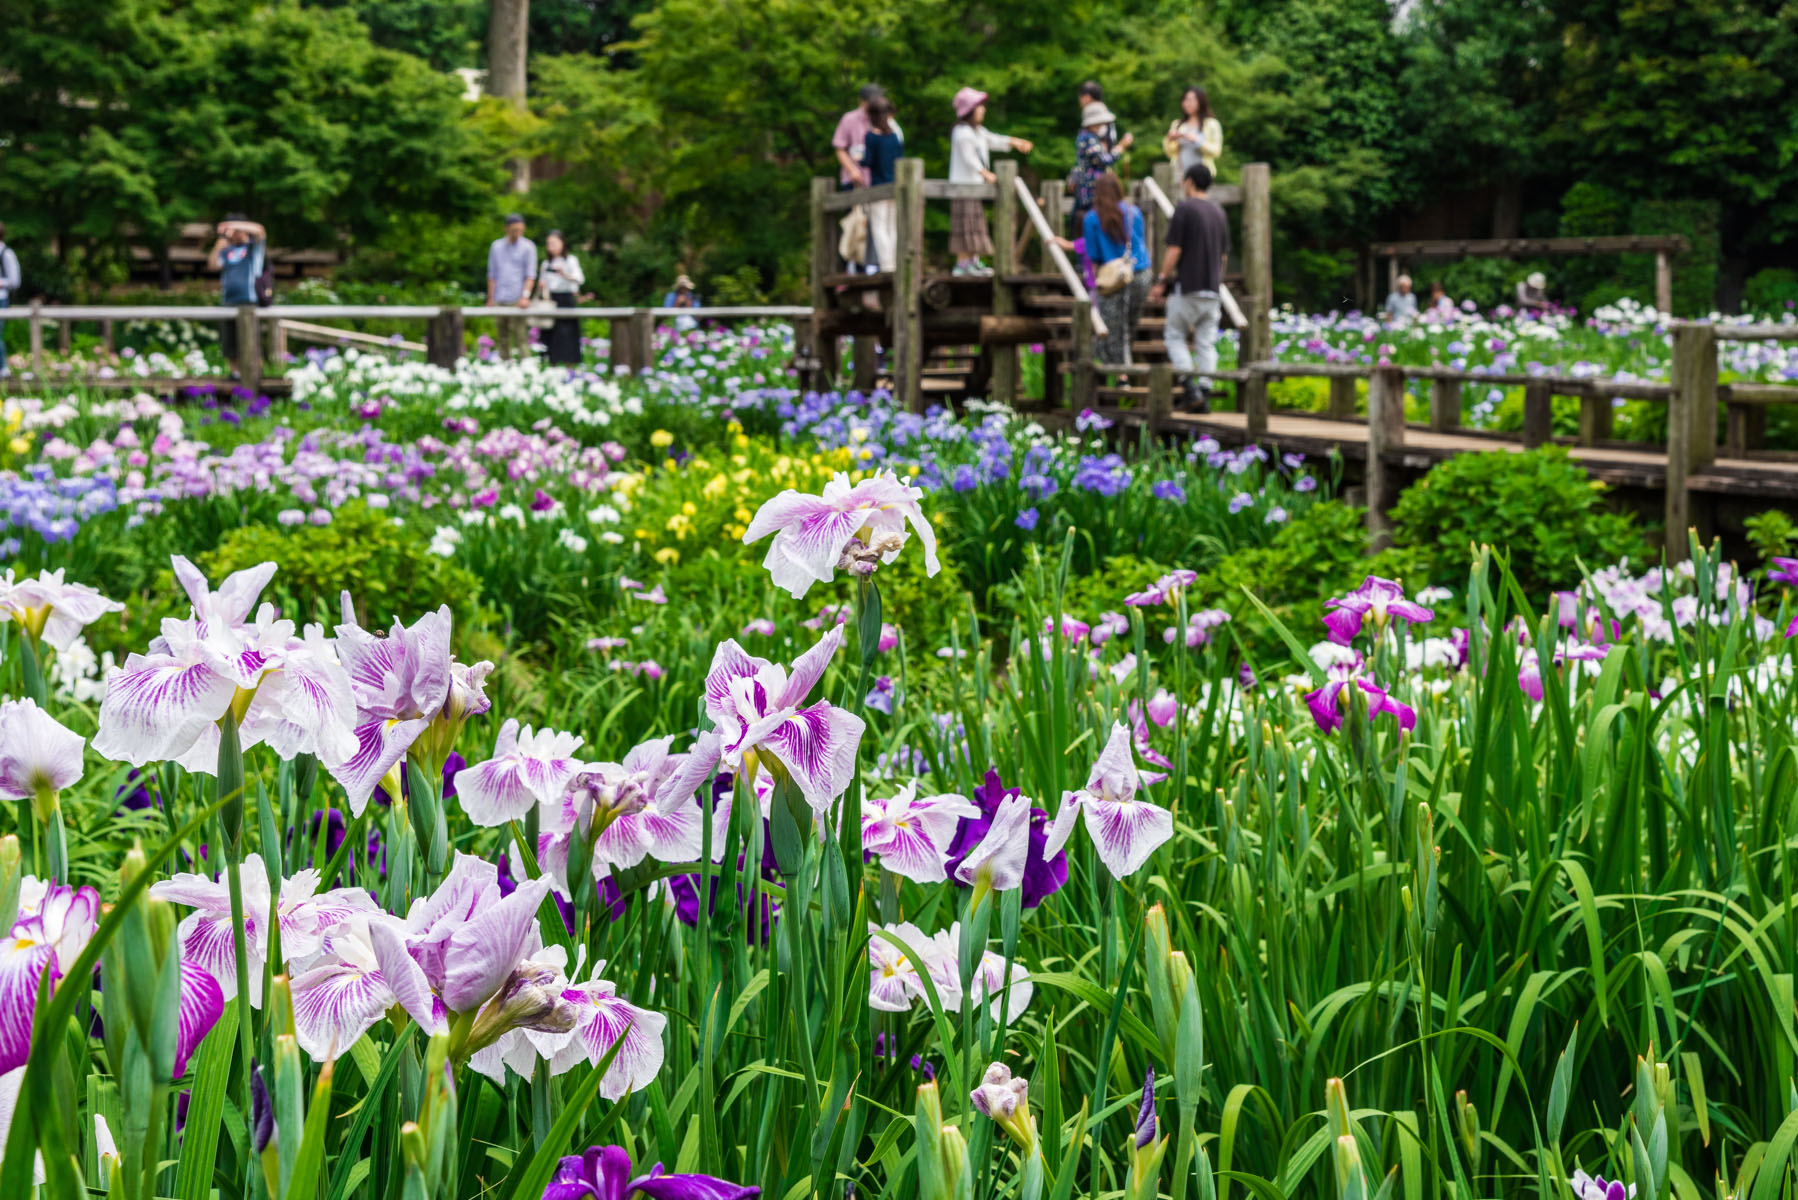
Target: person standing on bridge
[[1198, 136], [1116, 242], [971, 147], [10, 282], [511, 270], [237, 256], [1198, 242], [880, 156], [1097, 149]]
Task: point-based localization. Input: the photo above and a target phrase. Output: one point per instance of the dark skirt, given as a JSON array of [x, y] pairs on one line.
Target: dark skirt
[[967, 229], [564, 339]]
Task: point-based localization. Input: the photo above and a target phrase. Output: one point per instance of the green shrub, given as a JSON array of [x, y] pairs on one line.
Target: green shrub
[[1771, 292], [387, 568], [1319, 553], [1538, 507]]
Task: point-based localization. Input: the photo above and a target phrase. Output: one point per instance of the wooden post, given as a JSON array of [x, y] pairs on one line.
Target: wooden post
[[443, 339], [37, 338], [1055, 212], [277, 341], [824, 257], [1392, 274], [1251, 397], [1747, 424], [907, 349], [64, 336], [1691, 406], [865, 355], [1445, 404], [249, 346], [1085, 374], [1538, 413], [1161, 395], [106, 336], [642, 335], [1257, 260], [1342, 397], [1385, 432], [1004, 386], [1663, 282], [1594, 417]]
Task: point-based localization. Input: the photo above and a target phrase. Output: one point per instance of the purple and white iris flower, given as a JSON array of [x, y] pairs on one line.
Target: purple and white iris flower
[[895, 979], [1125, 830], [38, 756], [759, 711], [1326, 703], [403, 684], [601, 1018], [290, 692], [604, 1173], [528, 768], [1597, 1187], [342, 994], [1378, 600], [305, 918], [910, 835], [1045, 870], [1000, 860], [644, 807], [851, 526], [50, 610], [54, 925]]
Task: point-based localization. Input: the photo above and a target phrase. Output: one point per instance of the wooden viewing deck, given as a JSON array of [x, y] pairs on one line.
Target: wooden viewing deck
[[931, 336]]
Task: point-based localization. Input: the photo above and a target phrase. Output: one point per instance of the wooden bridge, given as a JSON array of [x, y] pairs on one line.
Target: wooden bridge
[[930, 336]]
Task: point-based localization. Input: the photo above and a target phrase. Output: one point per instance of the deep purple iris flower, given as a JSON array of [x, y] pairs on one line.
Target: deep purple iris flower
[[604, 1173], [1783, 570], [1043, 877]]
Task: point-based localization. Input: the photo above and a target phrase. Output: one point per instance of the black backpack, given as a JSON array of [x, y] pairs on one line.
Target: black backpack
[[265, 285]]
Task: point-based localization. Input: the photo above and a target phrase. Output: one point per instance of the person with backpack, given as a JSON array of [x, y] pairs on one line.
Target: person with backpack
[[240, 256], [10, 281]]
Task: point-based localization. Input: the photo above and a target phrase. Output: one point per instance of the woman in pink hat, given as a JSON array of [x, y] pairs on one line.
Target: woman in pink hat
[[971, 147]]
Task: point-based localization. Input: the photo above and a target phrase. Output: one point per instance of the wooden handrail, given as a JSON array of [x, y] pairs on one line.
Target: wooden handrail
[[1069, 276], [307, 331], [1232, 309]]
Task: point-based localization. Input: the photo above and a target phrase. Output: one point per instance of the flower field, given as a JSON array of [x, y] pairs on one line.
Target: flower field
[[507, 782]]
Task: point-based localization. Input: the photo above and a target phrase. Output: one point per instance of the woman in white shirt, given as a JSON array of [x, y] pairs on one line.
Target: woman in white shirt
[[971, 147], [560, 279]]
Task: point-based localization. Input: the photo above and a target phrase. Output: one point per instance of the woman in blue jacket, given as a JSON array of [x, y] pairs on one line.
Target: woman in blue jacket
[[1114, 230]]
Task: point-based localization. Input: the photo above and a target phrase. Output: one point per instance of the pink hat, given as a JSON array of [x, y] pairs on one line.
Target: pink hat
[[967, 100]]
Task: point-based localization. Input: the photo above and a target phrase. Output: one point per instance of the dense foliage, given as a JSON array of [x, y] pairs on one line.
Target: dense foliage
[[662, 150]]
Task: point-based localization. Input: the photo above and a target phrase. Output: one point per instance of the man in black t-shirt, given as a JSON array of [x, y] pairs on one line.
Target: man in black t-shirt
[[1198, 242]]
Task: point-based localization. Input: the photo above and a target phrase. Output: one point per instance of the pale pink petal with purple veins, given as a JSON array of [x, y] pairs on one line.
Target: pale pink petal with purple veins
[[817, 745], [484, 949], [206, 942], [156, 707], [729, 662], [202, 1004], [1002, 853], [1008, 1000], [1126, 832], [335, 1003], [496, 791], [908, 851], [22, 965], [35, 751], [781, 512], [808, 669], [403, 977], [808, 552], [380, 743], [648, 758], [603, 1019], [687, 771], [305, 707], [1115, 769]]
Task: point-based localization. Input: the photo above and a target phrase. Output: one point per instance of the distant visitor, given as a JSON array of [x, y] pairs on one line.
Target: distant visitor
[[10, 282], [971, 147], [238, 255], [1198, 242], [560, 279], [1401, 302], [511, 270]]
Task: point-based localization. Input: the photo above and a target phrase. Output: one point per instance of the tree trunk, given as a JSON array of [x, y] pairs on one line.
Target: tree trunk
[[507, 52], [1507, 208]]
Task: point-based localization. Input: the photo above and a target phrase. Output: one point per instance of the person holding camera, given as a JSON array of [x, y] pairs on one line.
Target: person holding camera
[[238, 255]]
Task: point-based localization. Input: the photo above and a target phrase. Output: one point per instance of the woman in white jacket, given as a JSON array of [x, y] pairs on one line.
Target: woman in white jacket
[[971, 147]]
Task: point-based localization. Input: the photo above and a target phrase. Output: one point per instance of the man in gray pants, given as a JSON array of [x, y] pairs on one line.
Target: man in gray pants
[[1198, 243]]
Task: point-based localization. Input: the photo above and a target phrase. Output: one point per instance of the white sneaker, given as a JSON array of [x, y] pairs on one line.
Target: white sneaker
[[962, 268]]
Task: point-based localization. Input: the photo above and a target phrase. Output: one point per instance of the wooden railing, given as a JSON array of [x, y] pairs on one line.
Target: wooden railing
[[445, 326]]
